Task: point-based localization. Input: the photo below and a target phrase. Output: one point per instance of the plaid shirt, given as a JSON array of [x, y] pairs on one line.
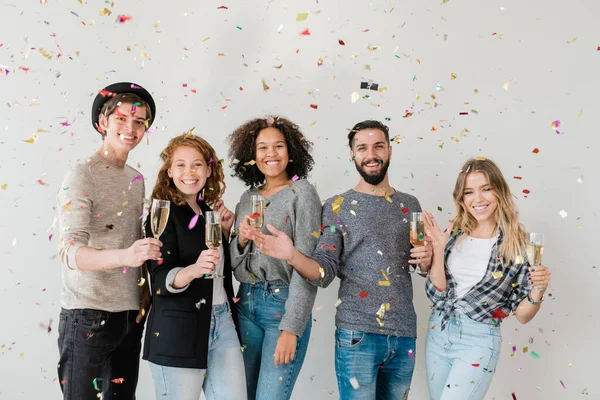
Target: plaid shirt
[[501, 290]]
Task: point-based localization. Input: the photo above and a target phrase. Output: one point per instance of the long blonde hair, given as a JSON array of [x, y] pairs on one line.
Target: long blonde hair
[[507, 218], [214, 188]]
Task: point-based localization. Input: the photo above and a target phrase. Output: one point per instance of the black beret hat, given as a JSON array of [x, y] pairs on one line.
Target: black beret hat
[[110, 91]]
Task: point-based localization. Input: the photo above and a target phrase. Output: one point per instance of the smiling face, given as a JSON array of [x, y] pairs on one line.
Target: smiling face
[[271, 153], [371, 152], [479, 198], [189, 171], [124, 128]]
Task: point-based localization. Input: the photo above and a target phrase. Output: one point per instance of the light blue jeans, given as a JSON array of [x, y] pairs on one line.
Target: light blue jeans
[[260, 309], [461, 360], [224, 378], [371, 366]]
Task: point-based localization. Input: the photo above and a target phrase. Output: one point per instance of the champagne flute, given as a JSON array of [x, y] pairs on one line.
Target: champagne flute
[[213, 237], [535, 249], [257, 214], [417, 232], [159, 215]]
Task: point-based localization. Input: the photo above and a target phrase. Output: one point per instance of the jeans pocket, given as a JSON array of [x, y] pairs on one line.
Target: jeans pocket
[[91, 320], [280, 295], [348, 339]]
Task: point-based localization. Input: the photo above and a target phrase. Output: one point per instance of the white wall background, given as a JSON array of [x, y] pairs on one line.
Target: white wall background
[[519, 66]]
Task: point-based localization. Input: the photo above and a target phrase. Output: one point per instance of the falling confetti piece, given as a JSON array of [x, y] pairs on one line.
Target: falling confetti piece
[[338, 302], [315, 234], [235, 299], [265, 86], [563, 384], [384, 283], [305, 32], [141, 281], [563, 213], [355, 97], [314, 106], [452, 76], [33, 139], [475, 365], [193, 221], [526, 191], [301, 16], [118, 380], [123, 18], [105, 12], [363, 295], [411, 353], [4, 186], [535, 355], [341, 42], [536, 150]]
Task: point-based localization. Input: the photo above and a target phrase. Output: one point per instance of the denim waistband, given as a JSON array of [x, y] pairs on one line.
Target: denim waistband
[[266, 285]]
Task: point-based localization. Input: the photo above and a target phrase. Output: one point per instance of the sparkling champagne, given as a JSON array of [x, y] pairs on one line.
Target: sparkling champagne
[[159, 217], [213, 237], [417, 233], [257, 219], [534, 254]]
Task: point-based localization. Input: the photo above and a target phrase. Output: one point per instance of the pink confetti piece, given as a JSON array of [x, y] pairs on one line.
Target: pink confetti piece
[[295, 178], [135, 178], [235, 299], [65, 124], [211, 161], [563, 384], [125, 270], [411, 353], [123, 18], [200, 196], [193, 221]]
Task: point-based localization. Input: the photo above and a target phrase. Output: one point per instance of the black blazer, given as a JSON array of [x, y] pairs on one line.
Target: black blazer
[[178, 327]]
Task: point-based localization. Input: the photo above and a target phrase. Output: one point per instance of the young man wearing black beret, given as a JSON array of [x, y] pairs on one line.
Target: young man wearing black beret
[[104, 296]]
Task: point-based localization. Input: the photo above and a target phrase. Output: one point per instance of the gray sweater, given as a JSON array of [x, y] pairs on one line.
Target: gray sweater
[[295, 210], [99, 205], [366, 244]]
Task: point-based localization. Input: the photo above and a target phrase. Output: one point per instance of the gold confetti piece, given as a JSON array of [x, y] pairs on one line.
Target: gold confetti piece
[[383, 89], [338, 302], [33, 139], [385, 195], [265, 86], [143, 312], [322, 272], [384, 283], [367, 67], [525, 349], [417, 97], [301, 16], [142, 281], [573, 40], [337, 204], [105, 12], [125, 203], [452, 76], [506, 85], [40, 130], [476, 91], [497, 274], [251, 162], [205, 39], [315, 234], [355, 97], [352, 212], [44, 53], [580, 112], [318, 308], [156, 334], [4, 186], [379, 321], [384, 275], [480, 158], [158, 291], [144, 54], [119, 213], [22, 355], [278, 66], [454, 138]]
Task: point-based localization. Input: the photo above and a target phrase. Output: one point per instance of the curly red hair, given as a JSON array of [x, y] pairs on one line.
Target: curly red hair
[[165, 189]]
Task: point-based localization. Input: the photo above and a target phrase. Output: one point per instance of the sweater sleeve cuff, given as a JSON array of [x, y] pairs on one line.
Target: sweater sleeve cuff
[[171, 279], [293, 325], [71, 256]]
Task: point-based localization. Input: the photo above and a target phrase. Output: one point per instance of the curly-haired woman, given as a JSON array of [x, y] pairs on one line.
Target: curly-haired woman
[[272, 157], [191, 340]]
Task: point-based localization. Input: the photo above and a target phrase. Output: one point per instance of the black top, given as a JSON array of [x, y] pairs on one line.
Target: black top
[[178, 327]]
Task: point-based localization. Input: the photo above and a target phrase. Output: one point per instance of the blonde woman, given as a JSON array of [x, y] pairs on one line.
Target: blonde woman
[[479, 275]]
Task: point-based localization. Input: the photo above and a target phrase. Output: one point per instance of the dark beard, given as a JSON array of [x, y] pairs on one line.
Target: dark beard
[[373, 179]]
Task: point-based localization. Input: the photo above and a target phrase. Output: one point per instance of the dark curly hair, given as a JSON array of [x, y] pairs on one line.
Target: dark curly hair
[[214, 188], [242, 149]]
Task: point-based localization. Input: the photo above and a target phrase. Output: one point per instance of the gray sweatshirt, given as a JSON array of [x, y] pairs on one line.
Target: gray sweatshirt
[[366, 244], [99, 205], [295, 210]]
